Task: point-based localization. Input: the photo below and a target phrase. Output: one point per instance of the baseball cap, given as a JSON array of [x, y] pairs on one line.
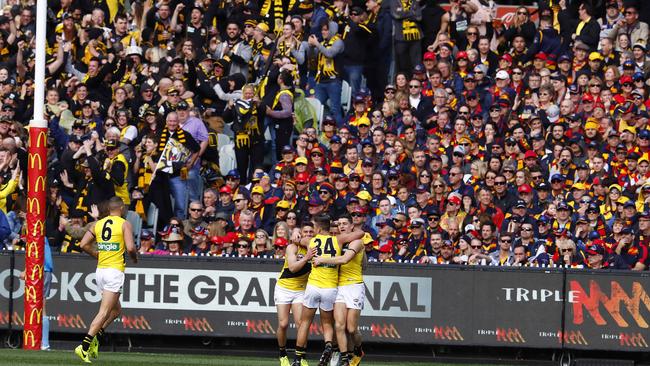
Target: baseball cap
[[364, 195], [417, 222], [429, 56], [502, 75], [418, 69], [315, 200], [225, 189], [530, 154], [595, 56], [146, 234], [286, 149], [558, 177], [595, 250], [525, 188], [461, 55], [301, 160], [284, 204], [233, 173], [281, 242]]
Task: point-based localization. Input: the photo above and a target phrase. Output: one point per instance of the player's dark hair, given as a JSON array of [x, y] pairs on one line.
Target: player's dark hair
[[323, 221]]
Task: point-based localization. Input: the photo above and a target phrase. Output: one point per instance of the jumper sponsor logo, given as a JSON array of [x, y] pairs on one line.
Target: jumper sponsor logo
[[521, 294], [571, 337], [384, 331], [447, 333], [593, 297], [108, 247], [262, 326], [509, 335], [70, 321]]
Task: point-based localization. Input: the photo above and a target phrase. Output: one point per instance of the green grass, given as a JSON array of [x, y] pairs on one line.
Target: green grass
[[35, 358]]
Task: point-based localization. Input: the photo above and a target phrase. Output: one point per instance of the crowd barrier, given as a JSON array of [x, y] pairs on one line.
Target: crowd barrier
[[435, 305]]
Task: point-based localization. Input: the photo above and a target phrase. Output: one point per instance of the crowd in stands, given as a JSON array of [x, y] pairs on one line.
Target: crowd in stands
[[470, 138]]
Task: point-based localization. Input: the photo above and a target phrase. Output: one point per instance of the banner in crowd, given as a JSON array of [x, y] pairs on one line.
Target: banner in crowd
[[404, 303]]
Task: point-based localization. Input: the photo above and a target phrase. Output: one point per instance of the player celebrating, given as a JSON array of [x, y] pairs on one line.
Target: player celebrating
[[290, 288], [351, 294], [321, 288], [113, 235]]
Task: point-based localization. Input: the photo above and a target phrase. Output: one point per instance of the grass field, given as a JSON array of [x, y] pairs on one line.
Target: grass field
[[34, 358]]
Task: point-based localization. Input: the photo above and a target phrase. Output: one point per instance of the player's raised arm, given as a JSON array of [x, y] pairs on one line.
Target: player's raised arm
[[88, 240], [294, 263], [127, 229], [349, 237]]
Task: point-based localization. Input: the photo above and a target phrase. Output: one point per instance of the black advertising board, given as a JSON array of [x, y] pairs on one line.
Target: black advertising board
[[608, 311], [515, 307], [219, 297]]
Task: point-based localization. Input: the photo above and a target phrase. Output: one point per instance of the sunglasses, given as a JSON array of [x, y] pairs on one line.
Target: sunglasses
[[241, 246], [566, 250], [316, 154], [238, 200], [323, 192], [506, 240], [291, 218], [414, 86], [499, 183], [627, 85], [356, 215], [526, 229], [389, 92], [278, 247], [476, 246], [196, 209], [472, 33], [517, 73], [595, 86], [522, 13]]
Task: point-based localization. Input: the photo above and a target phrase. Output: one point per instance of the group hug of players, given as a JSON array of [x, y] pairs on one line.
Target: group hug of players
[[323, 271]]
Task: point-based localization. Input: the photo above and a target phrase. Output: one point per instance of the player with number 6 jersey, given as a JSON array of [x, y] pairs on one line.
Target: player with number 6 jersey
[[114, 237]]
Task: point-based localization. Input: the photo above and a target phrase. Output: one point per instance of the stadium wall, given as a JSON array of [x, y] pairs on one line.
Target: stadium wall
[[550, 308]]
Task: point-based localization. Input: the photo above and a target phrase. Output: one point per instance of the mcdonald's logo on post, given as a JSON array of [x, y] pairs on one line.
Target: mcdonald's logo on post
[[32, 249], [39, 316], [39, 184], [41, 139], [33, 158], [28, 335], [30, 293], [37, 269], [38, 228], [34, 206]]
